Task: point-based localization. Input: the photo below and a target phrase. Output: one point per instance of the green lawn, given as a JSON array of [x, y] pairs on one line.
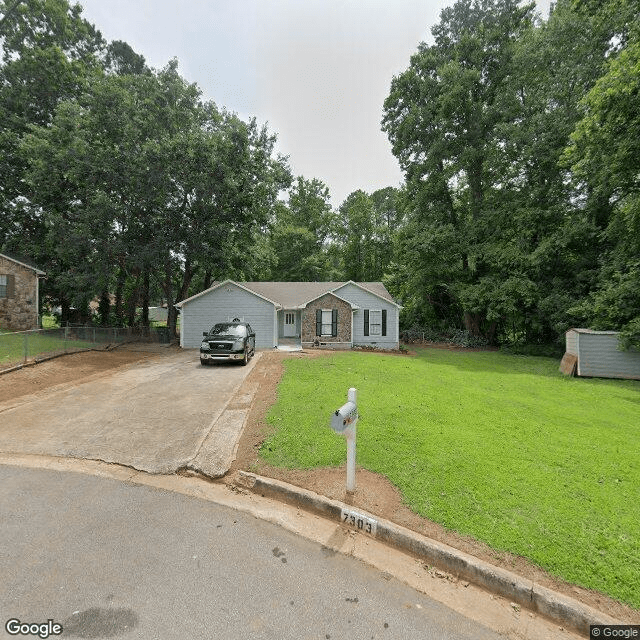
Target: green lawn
[[499, 447], [38, 344]]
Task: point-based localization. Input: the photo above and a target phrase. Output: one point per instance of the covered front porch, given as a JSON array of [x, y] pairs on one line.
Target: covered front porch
[[289, 326]]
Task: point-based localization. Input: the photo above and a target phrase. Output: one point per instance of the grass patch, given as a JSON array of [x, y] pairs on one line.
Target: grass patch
[[39, 344], [499, 447], [49, 321]]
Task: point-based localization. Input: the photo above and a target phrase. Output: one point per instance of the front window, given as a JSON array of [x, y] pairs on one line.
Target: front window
[[375, 322], [3, 286], [228, 329], [326, 322]]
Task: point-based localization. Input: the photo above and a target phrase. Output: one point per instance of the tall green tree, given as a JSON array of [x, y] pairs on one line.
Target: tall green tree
[[604, 155], [442, 117], [160, 185], [357, 238], [300, 233], [545, 249], [49, 54]]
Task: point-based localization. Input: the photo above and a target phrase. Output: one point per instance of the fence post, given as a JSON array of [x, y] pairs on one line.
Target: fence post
[[25, 346]]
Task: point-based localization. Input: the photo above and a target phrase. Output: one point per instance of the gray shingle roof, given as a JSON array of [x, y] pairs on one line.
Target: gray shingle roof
[[291, 295], [22, 261], [294, 294]]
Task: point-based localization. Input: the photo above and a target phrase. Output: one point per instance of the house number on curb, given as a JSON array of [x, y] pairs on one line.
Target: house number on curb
[[359, 522]]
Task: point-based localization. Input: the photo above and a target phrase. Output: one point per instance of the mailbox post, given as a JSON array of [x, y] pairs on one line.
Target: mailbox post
[[343, 422]]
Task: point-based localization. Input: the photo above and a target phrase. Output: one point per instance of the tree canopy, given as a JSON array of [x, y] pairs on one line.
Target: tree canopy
[[518, 137]]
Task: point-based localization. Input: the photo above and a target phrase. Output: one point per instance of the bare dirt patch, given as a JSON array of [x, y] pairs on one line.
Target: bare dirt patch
[[71, 368], [377, 495]]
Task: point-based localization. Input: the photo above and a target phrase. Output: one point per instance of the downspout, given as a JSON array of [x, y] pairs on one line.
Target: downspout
[[275, 327], [352, 313], [37, 301]]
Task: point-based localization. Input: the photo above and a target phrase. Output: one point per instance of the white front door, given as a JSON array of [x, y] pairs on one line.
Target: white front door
[[289, 324]]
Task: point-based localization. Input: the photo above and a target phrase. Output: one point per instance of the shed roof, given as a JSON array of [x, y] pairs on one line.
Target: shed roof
[[593, 331]]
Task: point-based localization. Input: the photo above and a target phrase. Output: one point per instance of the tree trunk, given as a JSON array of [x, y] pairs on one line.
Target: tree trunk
[[132, 302], [167, 287], [472, 323], [145, 300], [104, 307], [186, 280], [119, 311], [65, 312], [183, 293]]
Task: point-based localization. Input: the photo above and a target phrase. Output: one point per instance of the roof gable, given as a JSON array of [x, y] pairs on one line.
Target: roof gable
[[23, 263], [376, 289], [332, 294], [218, 285]]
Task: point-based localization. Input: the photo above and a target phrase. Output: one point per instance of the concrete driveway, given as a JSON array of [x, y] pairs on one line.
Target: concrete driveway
[[159, 415]]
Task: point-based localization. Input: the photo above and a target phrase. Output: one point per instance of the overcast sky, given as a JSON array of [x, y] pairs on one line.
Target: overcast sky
[[316, 71]]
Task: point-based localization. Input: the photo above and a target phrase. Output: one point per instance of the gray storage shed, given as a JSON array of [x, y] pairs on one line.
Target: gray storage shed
[[598, 355]]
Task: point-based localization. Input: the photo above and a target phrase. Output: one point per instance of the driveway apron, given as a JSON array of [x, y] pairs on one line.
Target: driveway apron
[[153, 416]]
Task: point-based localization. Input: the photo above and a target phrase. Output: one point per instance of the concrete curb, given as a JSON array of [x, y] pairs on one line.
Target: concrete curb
[[568, 612]]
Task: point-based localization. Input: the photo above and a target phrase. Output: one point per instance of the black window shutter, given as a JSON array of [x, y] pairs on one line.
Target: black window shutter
[[334, 322], [11, 286], [366, 322], [318, 322], [384, 322]]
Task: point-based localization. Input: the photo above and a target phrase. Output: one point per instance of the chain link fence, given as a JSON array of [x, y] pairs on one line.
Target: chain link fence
[[23, 346]]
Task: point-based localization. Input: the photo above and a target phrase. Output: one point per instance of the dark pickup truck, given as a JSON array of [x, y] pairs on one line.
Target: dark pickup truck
[[228, 341]]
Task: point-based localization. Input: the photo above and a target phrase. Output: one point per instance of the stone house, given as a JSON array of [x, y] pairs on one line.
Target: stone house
[[19, 294]]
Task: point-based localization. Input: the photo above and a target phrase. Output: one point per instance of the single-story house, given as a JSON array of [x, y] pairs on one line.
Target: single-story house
[[325, 314], [19, 293], [596, 354]]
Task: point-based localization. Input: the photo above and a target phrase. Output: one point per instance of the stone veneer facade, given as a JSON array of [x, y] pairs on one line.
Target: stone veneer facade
[[19, 311], [327, 301]]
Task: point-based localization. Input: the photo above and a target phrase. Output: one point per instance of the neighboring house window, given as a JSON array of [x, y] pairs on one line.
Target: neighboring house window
[[4, 286], [327, 322], [375, 322]]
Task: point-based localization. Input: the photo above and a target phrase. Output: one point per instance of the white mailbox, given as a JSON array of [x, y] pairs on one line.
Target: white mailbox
[[343, 417], [343, 421]]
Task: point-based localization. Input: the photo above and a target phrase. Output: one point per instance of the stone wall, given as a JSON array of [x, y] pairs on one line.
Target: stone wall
[[327, 301], [19, 312]]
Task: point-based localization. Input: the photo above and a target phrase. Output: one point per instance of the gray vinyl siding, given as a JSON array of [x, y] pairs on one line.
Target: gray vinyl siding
[[598, 356], [222, 304], [365, 300]]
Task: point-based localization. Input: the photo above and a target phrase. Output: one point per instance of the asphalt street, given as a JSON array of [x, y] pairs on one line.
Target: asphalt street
[[111, 559]]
